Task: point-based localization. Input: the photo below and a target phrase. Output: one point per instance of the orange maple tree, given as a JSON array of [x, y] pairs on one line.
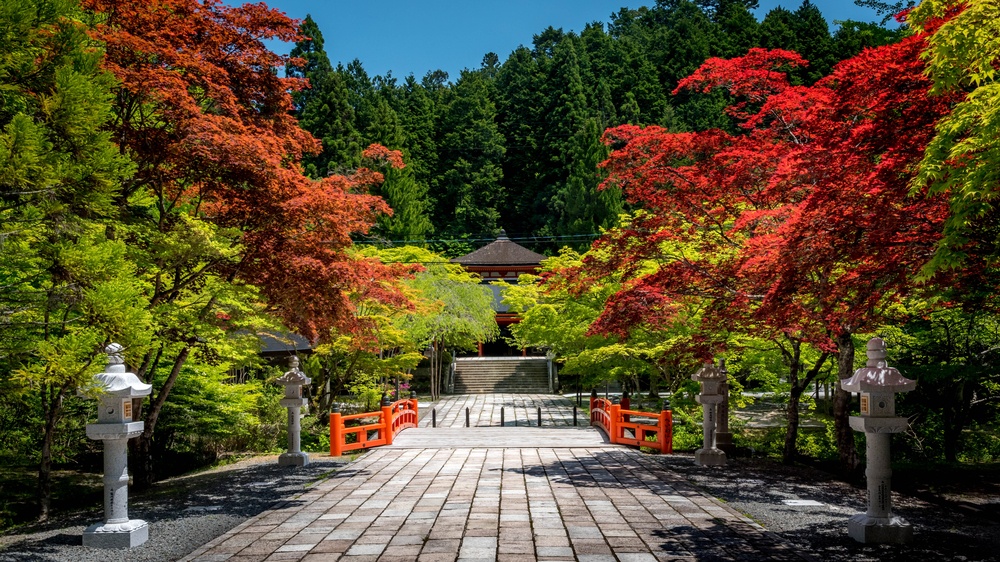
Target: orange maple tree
[[202, 111]]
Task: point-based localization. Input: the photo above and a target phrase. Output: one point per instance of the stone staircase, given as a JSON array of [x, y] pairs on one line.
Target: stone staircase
[[480, 375]]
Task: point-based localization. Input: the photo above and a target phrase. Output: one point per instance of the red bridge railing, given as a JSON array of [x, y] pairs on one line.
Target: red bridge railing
[[390, 420], [631, 427]]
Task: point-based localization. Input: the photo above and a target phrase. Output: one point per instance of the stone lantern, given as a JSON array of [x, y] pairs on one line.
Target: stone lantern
[[878, 384], [293, 381], [115, 427], [724, 437], [711, 379]]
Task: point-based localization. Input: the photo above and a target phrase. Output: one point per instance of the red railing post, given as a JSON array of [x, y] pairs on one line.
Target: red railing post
[[336, 435], [613, 422], [666, 432], [387, 424], [593, 399]]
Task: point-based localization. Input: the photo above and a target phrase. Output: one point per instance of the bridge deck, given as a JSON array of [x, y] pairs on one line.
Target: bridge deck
[[500, 437]]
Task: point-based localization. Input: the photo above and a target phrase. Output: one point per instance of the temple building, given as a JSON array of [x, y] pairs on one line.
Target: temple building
[[501, 260]]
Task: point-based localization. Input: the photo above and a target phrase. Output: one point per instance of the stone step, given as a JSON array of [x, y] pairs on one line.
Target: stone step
[[478, 376]]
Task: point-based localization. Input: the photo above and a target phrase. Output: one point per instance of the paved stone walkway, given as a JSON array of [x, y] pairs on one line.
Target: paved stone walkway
[[518, 410], [443, 503]]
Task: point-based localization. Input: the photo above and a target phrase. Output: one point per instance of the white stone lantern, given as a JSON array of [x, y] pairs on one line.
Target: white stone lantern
[[711, 379], [878, 384], [115, 427], [293, 380]]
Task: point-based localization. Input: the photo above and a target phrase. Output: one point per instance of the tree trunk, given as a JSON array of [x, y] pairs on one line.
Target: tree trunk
[[790, 452], [841, 405], [954, 417], [143, 445], [51, 406]]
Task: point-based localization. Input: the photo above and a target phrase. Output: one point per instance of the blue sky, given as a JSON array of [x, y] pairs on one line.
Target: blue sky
[[417, 36]]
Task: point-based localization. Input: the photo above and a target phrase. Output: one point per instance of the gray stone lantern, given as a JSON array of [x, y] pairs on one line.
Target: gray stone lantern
[[878, 384], [115, 427], [293, 380], [711, 379]]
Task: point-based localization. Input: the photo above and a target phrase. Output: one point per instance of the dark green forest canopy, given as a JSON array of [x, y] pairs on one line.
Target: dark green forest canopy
[[516, 144]]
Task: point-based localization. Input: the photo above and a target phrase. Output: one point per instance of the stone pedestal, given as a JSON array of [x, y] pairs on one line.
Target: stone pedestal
[[878, 383], [724, 437], [293, 380], [709, 454], [114, 428]]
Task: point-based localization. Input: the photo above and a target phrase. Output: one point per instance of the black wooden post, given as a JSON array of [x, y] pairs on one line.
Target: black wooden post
[[434, 417], [501, 416], [574, 416], [539, 416], [466, 417]]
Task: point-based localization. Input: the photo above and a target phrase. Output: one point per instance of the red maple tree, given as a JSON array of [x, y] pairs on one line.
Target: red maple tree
[[801, 224]]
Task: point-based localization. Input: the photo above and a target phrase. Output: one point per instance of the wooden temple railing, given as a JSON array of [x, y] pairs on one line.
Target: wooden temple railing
[[389, 421], [632, 427]]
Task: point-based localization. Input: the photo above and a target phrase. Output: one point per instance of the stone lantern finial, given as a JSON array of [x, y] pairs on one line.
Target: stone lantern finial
[[877, 352], [116, 363]]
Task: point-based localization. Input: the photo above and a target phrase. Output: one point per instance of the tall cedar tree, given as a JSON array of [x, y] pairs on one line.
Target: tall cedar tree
[[206, 117], [470, 152], [323, 108]]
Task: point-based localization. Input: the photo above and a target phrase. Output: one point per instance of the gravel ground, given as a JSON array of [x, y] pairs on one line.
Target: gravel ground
[[942, 529], [185, 513]]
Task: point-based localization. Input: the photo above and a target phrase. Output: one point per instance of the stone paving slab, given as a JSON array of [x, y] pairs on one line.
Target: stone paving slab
[[519, 410], [500, 437], [465, 504]]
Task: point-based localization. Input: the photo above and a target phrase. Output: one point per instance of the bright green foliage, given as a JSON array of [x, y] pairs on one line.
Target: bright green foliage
[[65, 289], [951, 353], [962, 159], [555, 318], [367, 365], [452, 309], [208, 414]]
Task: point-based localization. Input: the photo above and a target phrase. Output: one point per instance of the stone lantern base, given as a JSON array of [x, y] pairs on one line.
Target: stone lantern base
[[875, 530], [116, 535], [710, 457], [293, 459]]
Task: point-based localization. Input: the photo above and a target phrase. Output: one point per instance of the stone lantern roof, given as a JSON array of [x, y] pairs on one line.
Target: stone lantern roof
[[877, 375], [116, 381], [709, 371], [501, 251]]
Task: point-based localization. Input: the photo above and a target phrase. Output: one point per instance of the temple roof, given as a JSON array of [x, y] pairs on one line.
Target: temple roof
[[501, 252]]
